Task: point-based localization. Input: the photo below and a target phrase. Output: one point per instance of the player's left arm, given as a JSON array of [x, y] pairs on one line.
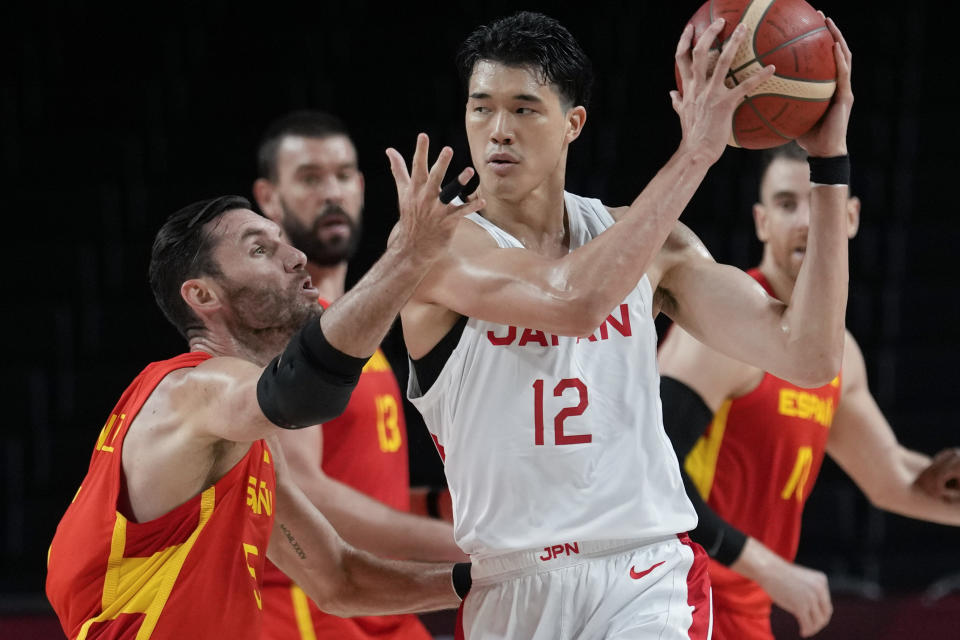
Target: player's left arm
[[863, 444], [801, 341], [343, 580], [727, 310]]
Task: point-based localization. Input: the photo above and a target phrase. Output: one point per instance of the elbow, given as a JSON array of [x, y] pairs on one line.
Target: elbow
[[813, 372], [329, 598], [342, 595], [338, 596], [583, 314]]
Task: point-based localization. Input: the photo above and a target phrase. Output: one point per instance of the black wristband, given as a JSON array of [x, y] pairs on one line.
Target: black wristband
[[433, 503], [462, 581], [830, 171]]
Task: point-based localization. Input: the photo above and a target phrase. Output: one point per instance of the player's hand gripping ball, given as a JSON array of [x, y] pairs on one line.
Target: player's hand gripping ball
[[791, 35]]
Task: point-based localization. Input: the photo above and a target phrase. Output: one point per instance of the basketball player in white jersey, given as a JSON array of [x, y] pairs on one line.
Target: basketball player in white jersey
[[533, 343]]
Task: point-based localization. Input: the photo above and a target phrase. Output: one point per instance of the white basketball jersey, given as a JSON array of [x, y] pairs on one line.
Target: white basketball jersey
[[550, 438]]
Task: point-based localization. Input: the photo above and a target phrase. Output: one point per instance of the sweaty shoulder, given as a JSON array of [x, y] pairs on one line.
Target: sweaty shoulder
[[470, 235]]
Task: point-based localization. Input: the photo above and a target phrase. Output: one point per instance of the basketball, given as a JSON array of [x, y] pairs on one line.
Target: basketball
[[791, 35]]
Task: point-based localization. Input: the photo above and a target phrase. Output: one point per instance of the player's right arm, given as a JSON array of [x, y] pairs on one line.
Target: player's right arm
[[571, 295], [343, 580], [694, 375]]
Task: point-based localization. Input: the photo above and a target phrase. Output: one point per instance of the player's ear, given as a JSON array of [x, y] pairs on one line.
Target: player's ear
[[264, 192], [576, 118], [853, 216], [201, 295], [760, 222]]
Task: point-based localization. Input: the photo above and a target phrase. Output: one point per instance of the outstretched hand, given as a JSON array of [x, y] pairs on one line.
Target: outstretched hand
[[706, 104], [941, 479], [828, 137], [426, 224]]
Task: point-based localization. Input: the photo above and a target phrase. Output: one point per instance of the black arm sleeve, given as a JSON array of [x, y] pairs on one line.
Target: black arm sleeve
[[309, 383], [685, 416]]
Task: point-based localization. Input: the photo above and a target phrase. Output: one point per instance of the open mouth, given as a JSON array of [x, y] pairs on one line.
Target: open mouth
[[307, 286]]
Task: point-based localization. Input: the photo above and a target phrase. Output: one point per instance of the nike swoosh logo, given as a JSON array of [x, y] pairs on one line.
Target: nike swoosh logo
[[636, 575]]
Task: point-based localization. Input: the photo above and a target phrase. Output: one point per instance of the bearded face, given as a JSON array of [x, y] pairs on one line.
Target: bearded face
[[317, 197], [331, 238], [264, 318]]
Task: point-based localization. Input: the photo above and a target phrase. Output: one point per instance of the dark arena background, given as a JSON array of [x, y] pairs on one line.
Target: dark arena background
[[110, 119]]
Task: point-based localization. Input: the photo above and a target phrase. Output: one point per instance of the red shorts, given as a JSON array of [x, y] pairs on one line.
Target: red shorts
[[288, 614], [732, 625]]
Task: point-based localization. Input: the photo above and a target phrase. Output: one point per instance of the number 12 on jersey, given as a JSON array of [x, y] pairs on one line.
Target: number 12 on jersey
[[559, 437]]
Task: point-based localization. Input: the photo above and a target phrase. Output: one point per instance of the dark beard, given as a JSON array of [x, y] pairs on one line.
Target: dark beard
[[307, 238], [264, 319]]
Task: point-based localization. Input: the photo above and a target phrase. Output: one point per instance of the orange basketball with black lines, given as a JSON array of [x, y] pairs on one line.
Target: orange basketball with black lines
[[791, 35]]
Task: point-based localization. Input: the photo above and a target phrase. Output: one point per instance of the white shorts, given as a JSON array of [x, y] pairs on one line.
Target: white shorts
[[590, 590]]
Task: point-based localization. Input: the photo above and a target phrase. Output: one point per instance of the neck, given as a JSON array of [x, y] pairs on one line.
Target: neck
[[329, 280], [781, 281], [537, 219], [218, 343]]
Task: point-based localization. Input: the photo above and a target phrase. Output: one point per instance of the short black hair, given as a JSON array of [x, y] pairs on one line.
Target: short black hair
[[533, 41], [181, 250], [307, 123], [788, 151]]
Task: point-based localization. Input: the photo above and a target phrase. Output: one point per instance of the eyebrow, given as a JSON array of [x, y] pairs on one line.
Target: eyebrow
[[785, 193], [250, 233], [526, 97], [311, 166]]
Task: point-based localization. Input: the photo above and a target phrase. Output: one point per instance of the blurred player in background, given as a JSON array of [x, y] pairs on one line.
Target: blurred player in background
[[753, 443], [534, 346], [355, 468]]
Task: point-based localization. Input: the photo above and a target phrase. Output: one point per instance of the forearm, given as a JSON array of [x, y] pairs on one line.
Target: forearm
[[371, 525], [358, 321], [814, 317], [374, 586], [630, 246], [756, 561], [900, 494], [339, 578]]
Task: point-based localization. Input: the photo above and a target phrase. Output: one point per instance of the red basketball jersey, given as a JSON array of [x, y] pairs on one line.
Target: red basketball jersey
[[111, 578], [365, 448], [756, 465]]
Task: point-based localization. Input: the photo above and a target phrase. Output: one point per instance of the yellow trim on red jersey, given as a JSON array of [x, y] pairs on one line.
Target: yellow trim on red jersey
[[301, 611], [701, 463], [142, 585], [377, 362]]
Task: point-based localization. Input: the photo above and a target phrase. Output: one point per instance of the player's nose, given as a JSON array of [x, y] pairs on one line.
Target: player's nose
[[502, 129], [331, 190], [293, 259], [802, 219]]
